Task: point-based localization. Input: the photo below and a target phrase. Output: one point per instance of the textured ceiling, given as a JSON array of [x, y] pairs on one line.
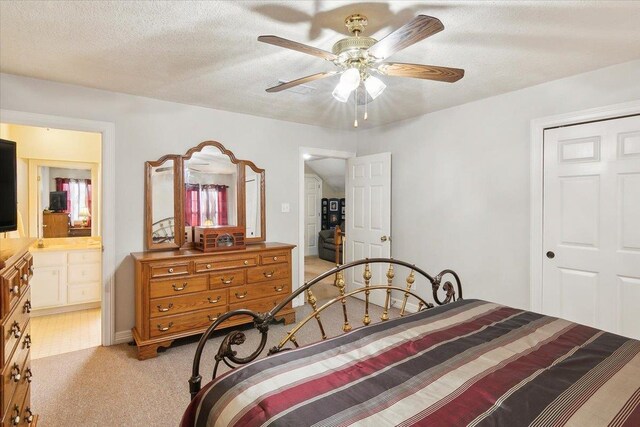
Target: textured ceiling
[[206, 53]]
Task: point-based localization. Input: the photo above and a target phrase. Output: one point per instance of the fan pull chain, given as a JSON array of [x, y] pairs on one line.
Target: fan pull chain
[[355, 121], [366, 104]]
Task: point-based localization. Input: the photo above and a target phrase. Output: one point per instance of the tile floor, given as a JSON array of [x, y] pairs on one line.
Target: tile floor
[[66, 332]]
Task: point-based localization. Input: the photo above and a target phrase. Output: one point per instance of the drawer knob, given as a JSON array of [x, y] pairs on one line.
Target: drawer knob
[[241, 296], [278, 288], [15, 417], [28, 415], [15, 330], [208, 266], [28, 375], [26, 343], [227, 281], [213, 301], [268, 274], [246, 262], [165, 329], [31, 269], [176, 288], [275, 258], [14, 289], [165, 309], [15, 373], [213, 319], [25, 277], [26, 308], [171, 270]]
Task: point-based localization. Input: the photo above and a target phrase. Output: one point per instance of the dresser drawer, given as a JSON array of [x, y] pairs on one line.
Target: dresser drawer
[[15, 408], [256, 291], [269, 272], [274, 258], [83, 273], [161, 307], [196, 320], [227, 278], [259, 306], [84, 257], [13, 327], [226, 263], [15, 372], [10, 290], [168, 270], [177, 286]]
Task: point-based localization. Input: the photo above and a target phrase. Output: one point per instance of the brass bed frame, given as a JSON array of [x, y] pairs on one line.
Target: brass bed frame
[[261, 321]]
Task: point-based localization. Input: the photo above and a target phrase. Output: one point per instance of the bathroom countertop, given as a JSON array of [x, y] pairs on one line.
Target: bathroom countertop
[[67, 244]]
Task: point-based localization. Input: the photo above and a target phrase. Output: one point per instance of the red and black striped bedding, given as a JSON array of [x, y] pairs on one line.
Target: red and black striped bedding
[[466, 363]]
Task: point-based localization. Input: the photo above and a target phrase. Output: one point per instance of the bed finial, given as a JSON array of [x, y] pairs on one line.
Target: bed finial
[[340, 284], [387, 300], [366, 275], [313, 301], [411, 278]]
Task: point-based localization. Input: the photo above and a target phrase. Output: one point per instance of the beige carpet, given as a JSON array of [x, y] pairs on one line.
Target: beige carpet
[[313, 267], [108, 386]]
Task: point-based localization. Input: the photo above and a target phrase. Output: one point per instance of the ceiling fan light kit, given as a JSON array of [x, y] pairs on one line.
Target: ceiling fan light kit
[[359, 58]]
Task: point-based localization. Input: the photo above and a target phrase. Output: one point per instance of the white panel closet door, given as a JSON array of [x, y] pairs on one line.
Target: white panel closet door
[[368, 222], [591, 269], [312, 199]]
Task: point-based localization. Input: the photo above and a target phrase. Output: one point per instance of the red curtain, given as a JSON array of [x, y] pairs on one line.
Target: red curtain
[[192, 204], [222, 215], [63, 184]]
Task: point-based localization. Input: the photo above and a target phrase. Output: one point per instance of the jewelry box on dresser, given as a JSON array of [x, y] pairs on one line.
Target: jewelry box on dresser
[[16, 270], [180, 290]]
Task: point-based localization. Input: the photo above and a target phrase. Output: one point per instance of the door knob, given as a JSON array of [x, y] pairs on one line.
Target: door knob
[[384, 238], [550, 255]]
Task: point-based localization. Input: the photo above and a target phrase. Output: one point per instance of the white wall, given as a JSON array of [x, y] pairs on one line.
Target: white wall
[[146, 129], [461, 179]]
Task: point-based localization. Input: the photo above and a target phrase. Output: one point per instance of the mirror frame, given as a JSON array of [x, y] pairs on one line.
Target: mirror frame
[[240, 193], [263, 216], [179, 241], [177, 207]]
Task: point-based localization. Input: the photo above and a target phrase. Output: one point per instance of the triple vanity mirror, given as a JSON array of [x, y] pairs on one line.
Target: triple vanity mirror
[[206, 187]]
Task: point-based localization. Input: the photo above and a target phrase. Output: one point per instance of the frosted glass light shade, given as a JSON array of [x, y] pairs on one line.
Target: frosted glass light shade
[[349, 80], [374, 86], [341, 93]]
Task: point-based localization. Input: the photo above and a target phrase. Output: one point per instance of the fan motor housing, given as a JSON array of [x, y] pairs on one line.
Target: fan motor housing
[[353, 45]]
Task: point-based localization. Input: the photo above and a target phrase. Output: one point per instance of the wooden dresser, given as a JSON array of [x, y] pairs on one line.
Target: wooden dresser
[[55, 224], [180, 293], [16, 270]]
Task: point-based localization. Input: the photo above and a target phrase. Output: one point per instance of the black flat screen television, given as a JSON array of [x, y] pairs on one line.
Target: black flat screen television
[[8, 187], [58, 201]]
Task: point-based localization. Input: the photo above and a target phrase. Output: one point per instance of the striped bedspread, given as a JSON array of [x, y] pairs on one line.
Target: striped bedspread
[[466, 363]]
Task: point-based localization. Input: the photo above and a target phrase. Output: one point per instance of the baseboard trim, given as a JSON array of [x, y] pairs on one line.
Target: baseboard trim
[[123, 337], [410, 307], [64, 309]]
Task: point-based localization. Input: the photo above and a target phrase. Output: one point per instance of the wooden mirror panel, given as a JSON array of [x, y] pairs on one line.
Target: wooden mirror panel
[[255, 218], [162, 212], [212, 188]]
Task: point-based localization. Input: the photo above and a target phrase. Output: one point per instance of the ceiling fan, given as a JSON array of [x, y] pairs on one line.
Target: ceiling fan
[[359, 59]]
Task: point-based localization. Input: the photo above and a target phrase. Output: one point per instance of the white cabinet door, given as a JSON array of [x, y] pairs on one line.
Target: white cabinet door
[[591, 271], [368, 218], [49, 286]]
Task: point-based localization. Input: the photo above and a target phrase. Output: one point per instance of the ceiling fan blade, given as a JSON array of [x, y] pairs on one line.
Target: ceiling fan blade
[[290, 44], [300, 81], [419, 28], [418, 71]]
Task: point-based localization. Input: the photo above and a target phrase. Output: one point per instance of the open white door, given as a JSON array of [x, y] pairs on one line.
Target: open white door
[[591, 272], [312, 197], [368, 222]]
